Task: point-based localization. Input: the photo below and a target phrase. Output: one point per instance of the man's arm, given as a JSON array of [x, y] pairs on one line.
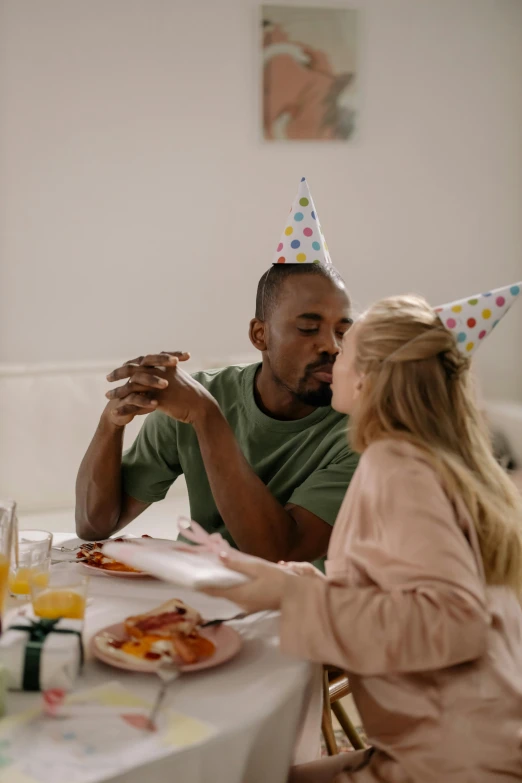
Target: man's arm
[[101, 506], [257, 522]]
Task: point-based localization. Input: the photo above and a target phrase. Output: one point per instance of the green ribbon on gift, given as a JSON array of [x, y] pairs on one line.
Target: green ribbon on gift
[[38, 631]]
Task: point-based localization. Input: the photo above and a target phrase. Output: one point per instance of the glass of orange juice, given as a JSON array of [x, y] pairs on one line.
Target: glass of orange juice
[[32, 564], [64, 594], [8, 529]]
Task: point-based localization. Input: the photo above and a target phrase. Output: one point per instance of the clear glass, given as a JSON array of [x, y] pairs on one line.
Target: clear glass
[[31, 563], [8, 530], [64, 595]]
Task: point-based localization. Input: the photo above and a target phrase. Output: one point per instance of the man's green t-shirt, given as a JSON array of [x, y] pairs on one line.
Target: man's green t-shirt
[[306, 462]]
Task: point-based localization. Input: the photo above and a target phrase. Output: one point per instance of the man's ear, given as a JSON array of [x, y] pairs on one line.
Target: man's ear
[[258, 334]]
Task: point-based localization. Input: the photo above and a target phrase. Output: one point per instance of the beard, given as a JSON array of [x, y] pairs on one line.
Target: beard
[[318, 397]]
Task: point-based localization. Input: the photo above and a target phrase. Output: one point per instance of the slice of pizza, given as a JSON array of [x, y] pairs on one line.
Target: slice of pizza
[[172, 626], [91, 554]]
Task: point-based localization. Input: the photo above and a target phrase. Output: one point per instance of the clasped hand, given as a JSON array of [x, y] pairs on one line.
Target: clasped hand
[[156, 382]]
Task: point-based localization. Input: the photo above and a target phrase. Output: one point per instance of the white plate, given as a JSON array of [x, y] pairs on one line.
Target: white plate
[[139, 573], [106, 572], [227, 641]]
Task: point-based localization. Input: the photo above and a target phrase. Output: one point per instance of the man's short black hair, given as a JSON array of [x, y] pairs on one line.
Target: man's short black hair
[[269, 287]]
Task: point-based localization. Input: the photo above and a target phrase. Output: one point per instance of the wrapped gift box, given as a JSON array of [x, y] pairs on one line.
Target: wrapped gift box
[[41, 654]]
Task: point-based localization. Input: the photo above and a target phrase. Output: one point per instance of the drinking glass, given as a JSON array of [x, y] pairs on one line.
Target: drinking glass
[[8, 527], [31, 563], [64, 595]]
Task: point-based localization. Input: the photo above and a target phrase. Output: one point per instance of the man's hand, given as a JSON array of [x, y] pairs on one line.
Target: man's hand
[[156, 382], [134, 398]]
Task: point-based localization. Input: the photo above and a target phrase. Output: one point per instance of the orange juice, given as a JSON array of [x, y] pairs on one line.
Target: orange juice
[[51, 604], [20, 581], [4, 577]]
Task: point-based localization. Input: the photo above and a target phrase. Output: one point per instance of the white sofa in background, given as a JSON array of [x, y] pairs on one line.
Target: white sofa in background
[[506, 417], [48, 414]]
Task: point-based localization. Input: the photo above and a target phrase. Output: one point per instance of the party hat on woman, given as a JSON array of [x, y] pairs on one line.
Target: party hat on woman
[[302, 241], [473, 318]]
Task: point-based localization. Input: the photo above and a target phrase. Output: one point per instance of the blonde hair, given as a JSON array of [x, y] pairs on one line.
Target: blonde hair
[[416, 386]]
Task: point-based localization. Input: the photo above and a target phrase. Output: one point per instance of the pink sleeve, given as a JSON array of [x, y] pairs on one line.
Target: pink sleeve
[[426, 609]]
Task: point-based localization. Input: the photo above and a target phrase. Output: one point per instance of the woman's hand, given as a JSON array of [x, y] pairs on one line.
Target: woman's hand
[[265, 589], [302, 569]]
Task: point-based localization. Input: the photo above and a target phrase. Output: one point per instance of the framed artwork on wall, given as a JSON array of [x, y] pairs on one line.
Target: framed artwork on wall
[[309, 63]]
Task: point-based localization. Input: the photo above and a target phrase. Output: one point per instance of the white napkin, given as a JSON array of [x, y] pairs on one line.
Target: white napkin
[[181, 568]]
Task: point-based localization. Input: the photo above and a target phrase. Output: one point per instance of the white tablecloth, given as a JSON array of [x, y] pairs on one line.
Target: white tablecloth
[[260, 702]]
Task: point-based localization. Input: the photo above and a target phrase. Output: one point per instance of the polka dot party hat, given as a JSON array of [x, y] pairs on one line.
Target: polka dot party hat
[[472, 319], [303, 240]]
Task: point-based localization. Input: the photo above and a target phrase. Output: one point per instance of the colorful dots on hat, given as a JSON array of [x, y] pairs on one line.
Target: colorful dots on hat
[[479, 315], [301, 242]]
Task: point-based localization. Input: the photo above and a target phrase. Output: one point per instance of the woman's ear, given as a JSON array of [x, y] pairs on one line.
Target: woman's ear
[[258, 334], [358, 386]]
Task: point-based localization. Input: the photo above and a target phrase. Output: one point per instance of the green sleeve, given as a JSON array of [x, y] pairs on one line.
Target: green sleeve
[[323, 491], [151, 465]]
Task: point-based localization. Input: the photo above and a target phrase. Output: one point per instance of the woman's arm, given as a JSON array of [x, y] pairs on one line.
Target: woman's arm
[[426, 609]]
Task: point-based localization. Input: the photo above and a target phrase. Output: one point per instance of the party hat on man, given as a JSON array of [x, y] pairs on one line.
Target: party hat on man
[[302, 241], [473, 318]]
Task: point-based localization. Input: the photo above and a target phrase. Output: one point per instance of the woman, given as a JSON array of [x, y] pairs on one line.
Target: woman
[[421, 605]]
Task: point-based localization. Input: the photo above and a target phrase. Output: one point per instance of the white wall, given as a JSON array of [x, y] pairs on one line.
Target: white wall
[[139, 205]]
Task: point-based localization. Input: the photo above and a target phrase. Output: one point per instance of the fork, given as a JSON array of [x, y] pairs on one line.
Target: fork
[[167, 672], [86, 547], [222, 620]]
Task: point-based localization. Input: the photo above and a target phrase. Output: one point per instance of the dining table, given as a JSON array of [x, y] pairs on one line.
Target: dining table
[[263, 707]]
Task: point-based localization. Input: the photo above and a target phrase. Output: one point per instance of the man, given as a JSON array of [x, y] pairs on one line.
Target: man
[[266, 459]]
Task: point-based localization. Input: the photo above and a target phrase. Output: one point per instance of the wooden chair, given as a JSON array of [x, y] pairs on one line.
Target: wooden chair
[[335, 686]]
